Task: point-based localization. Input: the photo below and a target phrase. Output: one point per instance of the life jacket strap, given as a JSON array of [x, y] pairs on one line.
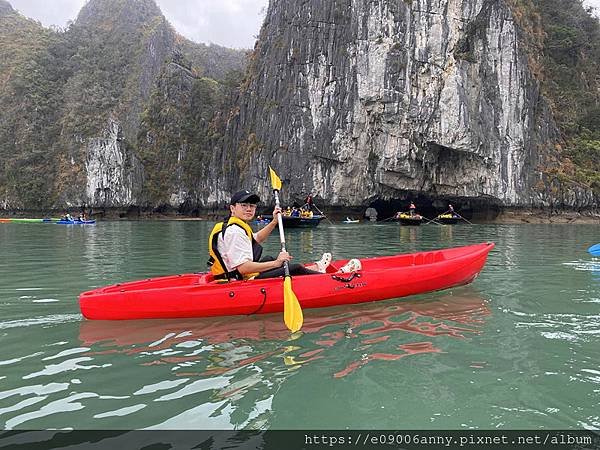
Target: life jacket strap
[[234, 275]]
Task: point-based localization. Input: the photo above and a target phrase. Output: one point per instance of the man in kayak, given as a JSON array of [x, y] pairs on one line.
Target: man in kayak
[[235, 250]]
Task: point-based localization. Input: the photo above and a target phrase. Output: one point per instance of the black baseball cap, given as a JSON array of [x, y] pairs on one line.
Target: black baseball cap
[[244, 196]]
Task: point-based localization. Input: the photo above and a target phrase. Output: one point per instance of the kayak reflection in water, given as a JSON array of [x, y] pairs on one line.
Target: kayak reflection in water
[[236, 251]]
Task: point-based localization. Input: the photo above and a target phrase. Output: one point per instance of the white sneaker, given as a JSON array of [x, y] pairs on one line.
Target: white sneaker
[[324, 262], [353, 265]]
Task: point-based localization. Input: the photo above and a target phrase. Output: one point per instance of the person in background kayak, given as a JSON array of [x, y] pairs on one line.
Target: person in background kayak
[[411, 209], [235, 250], [308, 201]]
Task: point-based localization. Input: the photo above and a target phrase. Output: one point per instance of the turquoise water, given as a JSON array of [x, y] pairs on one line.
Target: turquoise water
[[518, 348]]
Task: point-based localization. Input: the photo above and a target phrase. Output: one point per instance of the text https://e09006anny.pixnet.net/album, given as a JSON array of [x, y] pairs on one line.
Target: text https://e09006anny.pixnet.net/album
[[303, 439], [456, 439]]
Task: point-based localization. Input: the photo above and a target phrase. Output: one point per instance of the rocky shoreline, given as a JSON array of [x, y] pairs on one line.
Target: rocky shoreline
[[502, 216], [541, 216]]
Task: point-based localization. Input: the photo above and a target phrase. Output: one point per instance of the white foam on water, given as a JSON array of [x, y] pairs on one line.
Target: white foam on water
[[189, 344], [120, 412], [54, 319], [37, 390], [65, 366], [160, 341], [16, 360], [560, 336], [163, 385], [23, 404], [68, 352], [57, 407], [197, 387]]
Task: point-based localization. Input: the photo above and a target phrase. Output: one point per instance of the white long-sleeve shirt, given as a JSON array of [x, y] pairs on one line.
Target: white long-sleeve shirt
[[236, 248]]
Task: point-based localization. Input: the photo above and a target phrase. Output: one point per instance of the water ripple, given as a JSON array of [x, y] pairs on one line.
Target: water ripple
[[20, 359], [56, 407], [496, 354], [121, 411], [65, 366], [56, 319]]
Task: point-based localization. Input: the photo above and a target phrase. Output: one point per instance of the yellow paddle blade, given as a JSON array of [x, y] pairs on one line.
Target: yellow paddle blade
[[290, 361], [292, 313], [275, 181]]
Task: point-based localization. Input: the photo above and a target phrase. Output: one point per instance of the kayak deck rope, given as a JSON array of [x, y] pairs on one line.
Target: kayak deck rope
[[263, 291], [347, 279]]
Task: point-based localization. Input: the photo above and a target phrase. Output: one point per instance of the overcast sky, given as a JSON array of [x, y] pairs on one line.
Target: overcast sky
[[593, 3], [231, 23]]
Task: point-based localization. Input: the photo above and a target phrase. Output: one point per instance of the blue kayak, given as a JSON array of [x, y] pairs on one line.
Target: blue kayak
[[594, 250], [75, 222]]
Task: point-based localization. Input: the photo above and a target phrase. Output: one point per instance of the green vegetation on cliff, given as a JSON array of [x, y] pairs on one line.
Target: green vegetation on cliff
[[119, 61], [29, 97], [565, 37], [572, 64], [179, 132]]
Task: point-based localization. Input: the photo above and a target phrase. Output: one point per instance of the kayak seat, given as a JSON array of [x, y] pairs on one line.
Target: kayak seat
[[209, 278]]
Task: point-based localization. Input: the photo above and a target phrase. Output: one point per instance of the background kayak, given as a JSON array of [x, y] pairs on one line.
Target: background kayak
[[594, 250], [25, 220], [298, 222], [75, 222]]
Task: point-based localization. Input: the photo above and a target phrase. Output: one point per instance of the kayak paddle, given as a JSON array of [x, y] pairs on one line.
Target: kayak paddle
[[292, 312], [594, 250]]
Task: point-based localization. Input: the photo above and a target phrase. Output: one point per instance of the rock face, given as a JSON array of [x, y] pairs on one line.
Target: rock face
[[80, 106], [356, 101], [112, 174], [364, 99]]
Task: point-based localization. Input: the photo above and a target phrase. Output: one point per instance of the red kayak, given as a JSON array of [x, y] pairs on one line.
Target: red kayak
[[199, 295]]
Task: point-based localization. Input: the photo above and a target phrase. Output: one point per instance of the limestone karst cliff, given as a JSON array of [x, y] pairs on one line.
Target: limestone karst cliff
[[362, 99], [356, 101]]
